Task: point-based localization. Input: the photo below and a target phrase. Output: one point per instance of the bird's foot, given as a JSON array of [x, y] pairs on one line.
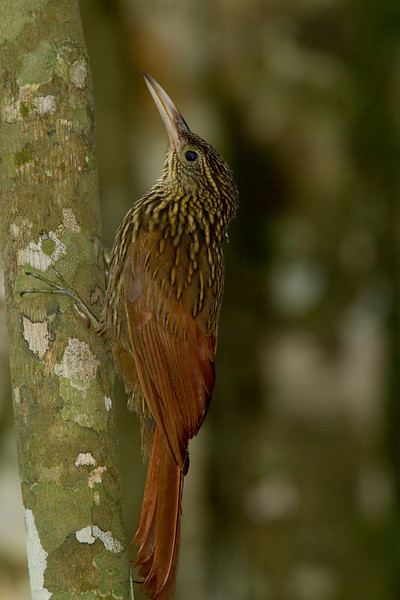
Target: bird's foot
[[63, 288]]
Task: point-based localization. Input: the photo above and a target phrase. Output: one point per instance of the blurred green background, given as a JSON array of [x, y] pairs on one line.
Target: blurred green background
[[294, 487]]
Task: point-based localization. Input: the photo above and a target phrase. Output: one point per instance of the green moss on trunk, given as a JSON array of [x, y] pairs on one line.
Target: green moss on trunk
[[61, 373]]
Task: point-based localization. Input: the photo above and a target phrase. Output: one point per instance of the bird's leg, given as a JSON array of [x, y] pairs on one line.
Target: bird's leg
[[64, 289]]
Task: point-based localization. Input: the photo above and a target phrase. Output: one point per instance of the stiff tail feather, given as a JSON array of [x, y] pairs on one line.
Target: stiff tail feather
[[159, 527]]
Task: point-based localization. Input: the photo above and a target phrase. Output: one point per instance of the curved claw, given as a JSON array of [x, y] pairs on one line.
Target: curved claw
[[65, 289]]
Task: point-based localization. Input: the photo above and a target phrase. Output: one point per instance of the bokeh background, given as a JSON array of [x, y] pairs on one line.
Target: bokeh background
[[294, 487]]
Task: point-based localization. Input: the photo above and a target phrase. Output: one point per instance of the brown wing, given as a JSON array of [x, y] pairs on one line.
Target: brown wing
[[174, 357]]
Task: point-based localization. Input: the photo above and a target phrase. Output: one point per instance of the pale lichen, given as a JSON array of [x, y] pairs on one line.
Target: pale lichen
[[20, 227], [14, 230], [16, 107], [95, 476], [17, 395], [36, 254], [78, 74], [69, 221], [46, 105], [107, 403], [37, 336], [37, 559], [10, 111], [79, 387], [84, 536], [85, 459], [108, 540], [78, 364], [88, 535], [63, 124]]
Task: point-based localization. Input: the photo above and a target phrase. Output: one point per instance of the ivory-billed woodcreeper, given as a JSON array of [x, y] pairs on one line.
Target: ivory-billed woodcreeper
[[160, 317]]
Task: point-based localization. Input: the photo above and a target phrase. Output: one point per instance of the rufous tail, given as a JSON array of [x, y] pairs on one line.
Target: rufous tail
[[159, 527]]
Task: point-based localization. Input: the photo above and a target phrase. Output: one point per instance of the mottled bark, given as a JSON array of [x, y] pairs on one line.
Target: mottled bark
[[61, 372]]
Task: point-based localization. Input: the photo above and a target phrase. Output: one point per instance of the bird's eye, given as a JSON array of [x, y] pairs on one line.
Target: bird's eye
[[190, 155]]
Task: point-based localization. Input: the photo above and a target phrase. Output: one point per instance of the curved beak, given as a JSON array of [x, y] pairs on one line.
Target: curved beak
[[173, 120]]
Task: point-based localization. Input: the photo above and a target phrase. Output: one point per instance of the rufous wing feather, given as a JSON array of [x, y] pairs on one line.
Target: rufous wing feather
[[173, 357], [174, 360]]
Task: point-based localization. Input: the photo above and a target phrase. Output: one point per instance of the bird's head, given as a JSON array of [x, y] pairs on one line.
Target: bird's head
[[193, 166]]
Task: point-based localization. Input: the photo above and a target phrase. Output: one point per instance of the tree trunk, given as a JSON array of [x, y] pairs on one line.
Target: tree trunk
[[61, 373]]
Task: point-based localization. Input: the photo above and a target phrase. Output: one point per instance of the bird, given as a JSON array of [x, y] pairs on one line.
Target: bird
[[160, 318]]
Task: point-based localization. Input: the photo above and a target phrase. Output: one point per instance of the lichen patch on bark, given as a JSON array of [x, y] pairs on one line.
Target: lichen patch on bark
[[41, 254], [17, 395], [78, 363], [85, 459], [84, 536], [106, 537], [37, 559], [46, 105], [78, 74], [37, 336], [88, 535], [95, 476], [14, 230], [10, 111], [69, 220]]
